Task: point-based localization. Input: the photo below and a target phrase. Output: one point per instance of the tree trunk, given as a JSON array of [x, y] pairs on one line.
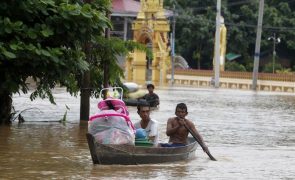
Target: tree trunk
[[5, 108], [85, 84], [85, 97], [85, 87]]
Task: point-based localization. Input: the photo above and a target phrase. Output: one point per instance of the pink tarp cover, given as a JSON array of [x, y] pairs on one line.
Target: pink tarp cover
[[111, 124]]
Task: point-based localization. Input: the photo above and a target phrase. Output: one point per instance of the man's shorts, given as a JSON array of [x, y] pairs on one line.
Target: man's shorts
[[172, 145]]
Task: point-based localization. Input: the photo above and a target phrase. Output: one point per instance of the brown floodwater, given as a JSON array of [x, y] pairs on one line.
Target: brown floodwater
[[252, 134]]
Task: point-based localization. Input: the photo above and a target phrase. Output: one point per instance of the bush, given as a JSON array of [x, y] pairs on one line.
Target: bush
[[269, 67], [234, 66]]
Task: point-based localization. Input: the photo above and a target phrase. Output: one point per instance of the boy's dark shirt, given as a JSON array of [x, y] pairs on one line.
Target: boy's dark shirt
[[152, 99]]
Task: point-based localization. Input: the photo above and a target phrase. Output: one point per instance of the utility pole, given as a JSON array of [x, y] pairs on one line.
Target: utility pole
[[217, 46], [173, 47], [257, 45], [274, 53]]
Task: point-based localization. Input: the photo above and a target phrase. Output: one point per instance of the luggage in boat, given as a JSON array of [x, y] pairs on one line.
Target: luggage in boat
[[111, 124]]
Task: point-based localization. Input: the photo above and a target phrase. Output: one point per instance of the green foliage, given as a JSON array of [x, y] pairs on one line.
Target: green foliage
[[234, 66], [64, 118], [281, 14], [284, 71], [106, 51], [268, 68], [195, 28], [197, 57], [44, 40], [149, 53]]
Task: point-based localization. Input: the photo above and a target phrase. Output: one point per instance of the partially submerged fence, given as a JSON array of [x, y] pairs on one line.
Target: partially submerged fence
[[235, 80]]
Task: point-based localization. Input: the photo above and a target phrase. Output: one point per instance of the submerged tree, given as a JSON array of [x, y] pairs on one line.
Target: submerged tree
[[45, 40], [42, 40], [55, 42]]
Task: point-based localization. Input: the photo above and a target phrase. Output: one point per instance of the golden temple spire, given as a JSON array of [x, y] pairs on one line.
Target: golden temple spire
[[151, 9]]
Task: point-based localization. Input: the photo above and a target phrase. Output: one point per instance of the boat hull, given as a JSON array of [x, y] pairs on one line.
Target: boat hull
[[132, 155], [131, 102]]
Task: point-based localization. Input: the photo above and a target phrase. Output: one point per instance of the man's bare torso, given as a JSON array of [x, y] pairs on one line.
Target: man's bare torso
[[180, 136]]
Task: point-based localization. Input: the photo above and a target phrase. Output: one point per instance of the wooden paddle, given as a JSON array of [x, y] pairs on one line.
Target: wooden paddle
[[199, 141]]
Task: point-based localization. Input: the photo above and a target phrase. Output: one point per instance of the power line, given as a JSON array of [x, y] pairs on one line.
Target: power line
[[290, 1], [278, 28], [228, 5], [236, 4], [214, 6], [274, 28]]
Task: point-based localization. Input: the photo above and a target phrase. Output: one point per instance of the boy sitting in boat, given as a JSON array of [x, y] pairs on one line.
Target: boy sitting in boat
[[151, 97]]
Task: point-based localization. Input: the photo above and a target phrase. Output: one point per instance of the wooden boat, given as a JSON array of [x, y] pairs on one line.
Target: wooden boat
[[131, 102], [134, 102], [112, 127], [132, 155]]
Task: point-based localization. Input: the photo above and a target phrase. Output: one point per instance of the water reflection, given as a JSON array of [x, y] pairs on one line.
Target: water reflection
[[252, 134]]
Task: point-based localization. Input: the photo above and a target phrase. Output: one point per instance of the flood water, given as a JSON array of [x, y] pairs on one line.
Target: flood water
[[251, 134]]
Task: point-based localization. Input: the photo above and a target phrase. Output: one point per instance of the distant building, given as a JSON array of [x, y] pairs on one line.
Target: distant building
[[124, 12]]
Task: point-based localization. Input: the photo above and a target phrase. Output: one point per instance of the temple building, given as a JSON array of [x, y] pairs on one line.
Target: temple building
[[145, 22], [124, 12]]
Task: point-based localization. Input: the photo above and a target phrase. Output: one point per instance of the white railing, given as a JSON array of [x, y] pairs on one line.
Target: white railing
[[234, 80]]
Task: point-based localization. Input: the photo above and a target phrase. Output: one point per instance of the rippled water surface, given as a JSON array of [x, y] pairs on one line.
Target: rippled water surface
[[252, 134]]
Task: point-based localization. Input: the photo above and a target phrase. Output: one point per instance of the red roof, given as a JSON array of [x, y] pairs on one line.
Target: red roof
[[125, 6], [129, 8]]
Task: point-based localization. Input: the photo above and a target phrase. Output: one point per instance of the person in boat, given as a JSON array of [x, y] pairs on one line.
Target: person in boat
[[151, 97], [146, 123], [177, 131]]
